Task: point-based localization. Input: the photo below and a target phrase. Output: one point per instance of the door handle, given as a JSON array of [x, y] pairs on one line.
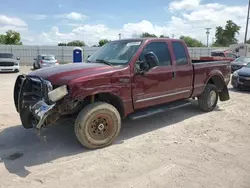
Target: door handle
[[173, 75]]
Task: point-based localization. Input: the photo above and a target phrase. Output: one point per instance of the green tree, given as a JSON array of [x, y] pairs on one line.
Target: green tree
[[11, 37], [103, 41], [192, 42], [226, 36], [76, 43], [248, 41], [163, 36], [2, 39], [144, 35], [62, 44]]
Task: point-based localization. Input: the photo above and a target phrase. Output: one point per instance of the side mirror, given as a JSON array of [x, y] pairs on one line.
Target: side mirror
[[18, 58], [141, 67], [88, 56], [151, 59]]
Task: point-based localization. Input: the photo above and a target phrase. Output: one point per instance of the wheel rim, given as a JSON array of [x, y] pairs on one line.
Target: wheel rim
[[212, 98], [101, 127]]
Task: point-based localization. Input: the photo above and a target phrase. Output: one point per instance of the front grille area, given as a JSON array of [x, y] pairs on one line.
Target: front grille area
[[32, 89], [6, 64]]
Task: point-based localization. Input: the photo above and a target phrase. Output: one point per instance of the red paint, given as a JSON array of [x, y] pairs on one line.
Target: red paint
[[86, 79]]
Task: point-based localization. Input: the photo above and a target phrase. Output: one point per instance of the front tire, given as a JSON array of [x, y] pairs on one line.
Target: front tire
[[97, 125], [209, 98]]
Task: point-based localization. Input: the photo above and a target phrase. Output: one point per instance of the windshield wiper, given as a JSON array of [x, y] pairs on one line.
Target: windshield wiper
[[104, 61]]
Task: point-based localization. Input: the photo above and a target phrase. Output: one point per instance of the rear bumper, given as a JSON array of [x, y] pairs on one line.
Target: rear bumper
[[9, 68]]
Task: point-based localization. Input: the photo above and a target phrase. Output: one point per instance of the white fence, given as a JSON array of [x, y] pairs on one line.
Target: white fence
[[65, 53], [28, 53]]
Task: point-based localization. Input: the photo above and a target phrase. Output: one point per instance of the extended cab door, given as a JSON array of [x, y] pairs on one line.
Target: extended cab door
[[183, 69], [157, 85]]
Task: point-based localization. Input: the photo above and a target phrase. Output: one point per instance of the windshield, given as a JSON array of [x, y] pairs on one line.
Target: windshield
[[244, 59], [7, 55], [116, 52], [48, 58]]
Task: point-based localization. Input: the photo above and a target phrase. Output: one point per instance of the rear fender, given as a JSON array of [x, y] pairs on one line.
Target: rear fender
[[218, 80]]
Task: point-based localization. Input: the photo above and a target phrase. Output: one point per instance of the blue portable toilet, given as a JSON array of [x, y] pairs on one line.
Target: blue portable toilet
[[77, 55]]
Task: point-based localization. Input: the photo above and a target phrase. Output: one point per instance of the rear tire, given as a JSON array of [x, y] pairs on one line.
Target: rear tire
[[97, 125], [209, 98]]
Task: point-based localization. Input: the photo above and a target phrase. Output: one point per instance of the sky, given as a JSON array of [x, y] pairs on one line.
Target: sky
[[49, 22]]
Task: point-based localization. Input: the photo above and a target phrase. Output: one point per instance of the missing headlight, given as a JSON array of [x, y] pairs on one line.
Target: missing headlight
[[58, 93]]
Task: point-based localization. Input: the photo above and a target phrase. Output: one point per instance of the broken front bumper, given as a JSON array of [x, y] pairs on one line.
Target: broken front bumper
[[35, 98]]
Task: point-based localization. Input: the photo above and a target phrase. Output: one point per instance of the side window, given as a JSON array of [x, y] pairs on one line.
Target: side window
[[161, 51], [180, 53]]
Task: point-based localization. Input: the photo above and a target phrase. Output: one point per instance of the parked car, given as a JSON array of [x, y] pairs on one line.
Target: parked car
[[9, 63], [45, 60], [131, 78], [239, 63], [241, 78], [226, 53], [220, 54]]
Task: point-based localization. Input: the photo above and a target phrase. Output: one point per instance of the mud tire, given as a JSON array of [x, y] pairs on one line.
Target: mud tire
[[88, 119], [205, 97]]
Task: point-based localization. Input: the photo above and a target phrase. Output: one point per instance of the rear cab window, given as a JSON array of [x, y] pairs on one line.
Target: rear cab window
[[179, 53], [161, 50]]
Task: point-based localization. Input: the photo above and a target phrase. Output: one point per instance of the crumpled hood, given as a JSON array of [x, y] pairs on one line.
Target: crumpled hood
[[245, 71], [7, 60], [62, 74]]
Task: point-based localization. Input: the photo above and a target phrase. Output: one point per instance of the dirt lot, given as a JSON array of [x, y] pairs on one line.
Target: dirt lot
[[181, 148]]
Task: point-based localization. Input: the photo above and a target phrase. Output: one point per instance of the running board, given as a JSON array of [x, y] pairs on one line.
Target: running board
[[159, 109]]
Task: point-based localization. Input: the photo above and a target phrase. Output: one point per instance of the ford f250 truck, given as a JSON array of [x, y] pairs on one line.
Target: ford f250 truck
[[130, 78]]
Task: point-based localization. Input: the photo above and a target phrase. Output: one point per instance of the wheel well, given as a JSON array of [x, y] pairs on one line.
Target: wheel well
[[217, 81], [111, 99]]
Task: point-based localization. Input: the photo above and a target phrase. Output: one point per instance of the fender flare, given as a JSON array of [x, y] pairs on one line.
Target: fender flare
[[216, 77]]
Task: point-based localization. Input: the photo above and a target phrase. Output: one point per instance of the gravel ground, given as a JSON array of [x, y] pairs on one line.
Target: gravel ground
[[181, 148]]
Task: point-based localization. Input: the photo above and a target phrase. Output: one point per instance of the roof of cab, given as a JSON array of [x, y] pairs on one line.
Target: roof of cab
[[145, 39]]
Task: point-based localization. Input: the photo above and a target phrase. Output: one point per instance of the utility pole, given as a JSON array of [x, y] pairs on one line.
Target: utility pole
[[120, 36], [208, 32], [245, 40], [172, 36]]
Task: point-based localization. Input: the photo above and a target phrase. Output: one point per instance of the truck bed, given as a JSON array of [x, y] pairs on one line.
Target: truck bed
[[204, 69]]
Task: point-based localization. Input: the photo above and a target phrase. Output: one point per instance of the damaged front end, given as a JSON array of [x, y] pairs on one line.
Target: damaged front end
[[35, 99]]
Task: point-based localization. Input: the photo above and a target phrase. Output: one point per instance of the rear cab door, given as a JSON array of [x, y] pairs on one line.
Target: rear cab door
[[183, 69]]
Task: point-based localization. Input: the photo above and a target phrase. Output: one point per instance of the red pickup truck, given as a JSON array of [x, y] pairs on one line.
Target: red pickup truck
[[130, 78]]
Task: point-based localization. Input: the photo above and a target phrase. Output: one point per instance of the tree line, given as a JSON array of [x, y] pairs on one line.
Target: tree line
[[223, 37]]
